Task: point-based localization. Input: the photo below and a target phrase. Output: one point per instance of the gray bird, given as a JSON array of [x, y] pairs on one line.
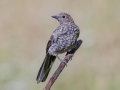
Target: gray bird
[[62, 40]]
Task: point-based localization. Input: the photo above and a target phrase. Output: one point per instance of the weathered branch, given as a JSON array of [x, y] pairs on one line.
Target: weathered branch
[[61, 66]]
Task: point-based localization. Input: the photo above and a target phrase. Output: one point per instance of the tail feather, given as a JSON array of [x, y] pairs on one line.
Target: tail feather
[[45, 68]]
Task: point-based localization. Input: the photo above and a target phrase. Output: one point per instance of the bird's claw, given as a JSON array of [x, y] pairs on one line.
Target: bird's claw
[[64, 61], [71, 55]]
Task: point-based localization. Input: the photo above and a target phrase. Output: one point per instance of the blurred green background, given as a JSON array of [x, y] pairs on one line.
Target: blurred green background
[[25, 27]]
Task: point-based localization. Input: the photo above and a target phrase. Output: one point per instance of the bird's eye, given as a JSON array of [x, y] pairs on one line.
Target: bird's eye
[[63, 16]]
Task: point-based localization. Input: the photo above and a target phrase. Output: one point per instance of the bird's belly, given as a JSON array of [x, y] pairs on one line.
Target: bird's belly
[[63, 50], [66, 43]]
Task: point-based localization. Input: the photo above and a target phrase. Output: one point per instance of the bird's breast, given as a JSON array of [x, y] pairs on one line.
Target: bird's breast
[[66, 42]]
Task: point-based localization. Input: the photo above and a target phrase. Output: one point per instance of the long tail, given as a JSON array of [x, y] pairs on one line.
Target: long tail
[[45, 68]]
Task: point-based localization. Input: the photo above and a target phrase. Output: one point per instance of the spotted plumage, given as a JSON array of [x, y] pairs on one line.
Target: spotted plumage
[[62, 40]]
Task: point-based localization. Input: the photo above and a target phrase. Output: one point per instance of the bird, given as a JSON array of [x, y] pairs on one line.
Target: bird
[[62, 40]]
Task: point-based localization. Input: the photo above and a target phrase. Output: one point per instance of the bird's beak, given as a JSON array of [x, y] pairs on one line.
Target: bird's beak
[[55, 16]]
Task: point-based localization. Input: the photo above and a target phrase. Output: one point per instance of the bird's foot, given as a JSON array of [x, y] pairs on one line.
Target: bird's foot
[[64, 61], [71, 55]]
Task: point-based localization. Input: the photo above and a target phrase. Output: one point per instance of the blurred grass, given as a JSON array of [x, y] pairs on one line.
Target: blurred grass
[[23, 39]]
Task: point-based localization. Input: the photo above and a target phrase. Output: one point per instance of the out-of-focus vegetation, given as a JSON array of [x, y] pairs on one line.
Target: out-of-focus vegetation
[[25, 27]]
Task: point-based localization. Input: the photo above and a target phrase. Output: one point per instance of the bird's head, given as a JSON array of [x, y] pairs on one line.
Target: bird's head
[[63, 18]]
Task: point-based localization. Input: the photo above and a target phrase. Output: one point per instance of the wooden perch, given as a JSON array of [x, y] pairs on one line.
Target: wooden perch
[[61, 66]]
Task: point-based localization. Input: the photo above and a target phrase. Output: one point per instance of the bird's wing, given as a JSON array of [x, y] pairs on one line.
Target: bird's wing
[[48, 45]]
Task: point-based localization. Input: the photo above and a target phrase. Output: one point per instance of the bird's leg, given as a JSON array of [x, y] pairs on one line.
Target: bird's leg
[[71, 55], [62, 60]]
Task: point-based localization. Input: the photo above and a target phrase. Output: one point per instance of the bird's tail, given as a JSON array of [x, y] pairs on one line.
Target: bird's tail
[[45, 68]]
